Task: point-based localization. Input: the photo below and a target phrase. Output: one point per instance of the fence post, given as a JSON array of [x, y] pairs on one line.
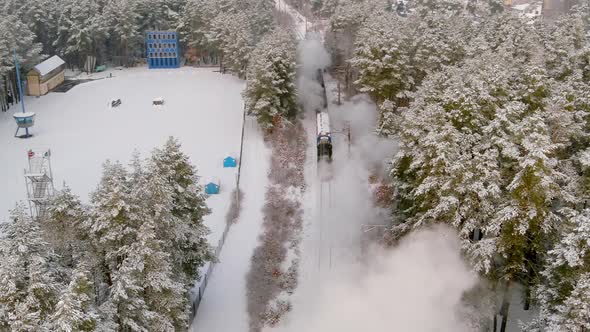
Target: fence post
[[241, 148]]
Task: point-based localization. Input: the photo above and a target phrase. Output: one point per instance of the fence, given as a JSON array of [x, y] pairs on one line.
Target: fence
[[201, 291]]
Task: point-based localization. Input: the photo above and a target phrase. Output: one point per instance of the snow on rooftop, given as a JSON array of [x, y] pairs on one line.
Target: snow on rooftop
[[48, 65]]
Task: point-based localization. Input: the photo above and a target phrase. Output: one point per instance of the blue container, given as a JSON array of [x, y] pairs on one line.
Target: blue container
[[212, 188], [230, 162]]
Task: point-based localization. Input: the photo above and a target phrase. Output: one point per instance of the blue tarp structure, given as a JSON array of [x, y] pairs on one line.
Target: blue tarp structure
[[212, 188], [230, 162], [162, 49]]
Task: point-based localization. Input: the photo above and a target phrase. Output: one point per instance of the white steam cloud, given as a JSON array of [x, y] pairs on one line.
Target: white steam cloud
[[417, 287], [369, 149], [311, 57]]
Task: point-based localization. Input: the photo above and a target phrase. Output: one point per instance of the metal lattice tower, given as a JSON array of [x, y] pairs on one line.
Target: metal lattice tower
[[39, 180]]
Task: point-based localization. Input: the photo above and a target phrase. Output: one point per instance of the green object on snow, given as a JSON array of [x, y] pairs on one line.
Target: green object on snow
[[101, 68]]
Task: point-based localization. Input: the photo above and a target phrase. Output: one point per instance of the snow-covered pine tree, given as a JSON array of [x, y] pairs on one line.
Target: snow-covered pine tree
[[159, 14], [478, 138], [80, 30], [382, 58], [233, 34], [182, 232], [261, 17], [28, 285], [113, 230], [38, 15], [15, 34], [75, 309], [194, 23], [270, 86], [121, 19], [438, 7], [164, 293], [394, 54], [447, 170], [109, 223], [566, 46], [564, 293], [345, 22], [63, 228]]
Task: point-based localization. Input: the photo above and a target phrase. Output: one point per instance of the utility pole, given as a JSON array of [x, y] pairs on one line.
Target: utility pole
[[339, 103]]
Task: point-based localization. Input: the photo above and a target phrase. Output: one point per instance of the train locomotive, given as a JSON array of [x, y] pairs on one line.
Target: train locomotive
[[324, 134]]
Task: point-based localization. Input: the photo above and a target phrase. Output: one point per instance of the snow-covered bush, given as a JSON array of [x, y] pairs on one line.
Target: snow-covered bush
[[275, 262]]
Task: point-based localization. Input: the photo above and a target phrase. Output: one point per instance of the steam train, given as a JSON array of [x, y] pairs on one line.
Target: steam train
[[324, 133]]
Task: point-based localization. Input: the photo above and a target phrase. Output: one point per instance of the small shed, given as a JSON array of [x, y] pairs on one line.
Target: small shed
[[45, 76], [230, 162], [212, 188]]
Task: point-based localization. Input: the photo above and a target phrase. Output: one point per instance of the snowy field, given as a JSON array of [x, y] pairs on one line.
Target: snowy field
[[203, 109]]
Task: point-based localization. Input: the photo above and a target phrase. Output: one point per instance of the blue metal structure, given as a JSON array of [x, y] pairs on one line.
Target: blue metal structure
[[230, 162], [24, 120], [162, 49], [20, 89]]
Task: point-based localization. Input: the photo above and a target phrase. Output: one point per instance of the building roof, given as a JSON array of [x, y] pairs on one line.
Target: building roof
[[48, 65]]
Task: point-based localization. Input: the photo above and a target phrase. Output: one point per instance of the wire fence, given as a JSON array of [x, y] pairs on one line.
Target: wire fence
[[201, 291]]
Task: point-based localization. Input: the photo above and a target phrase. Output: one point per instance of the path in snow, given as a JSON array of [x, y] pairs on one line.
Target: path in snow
[[223, 308]]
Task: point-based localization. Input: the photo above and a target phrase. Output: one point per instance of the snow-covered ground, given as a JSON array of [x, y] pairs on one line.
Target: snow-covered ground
[[223, 308], [203, 109]]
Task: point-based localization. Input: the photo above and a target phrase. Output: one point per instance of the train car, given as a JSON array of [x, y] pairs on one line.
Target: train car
[[320, 80], [324, 136]]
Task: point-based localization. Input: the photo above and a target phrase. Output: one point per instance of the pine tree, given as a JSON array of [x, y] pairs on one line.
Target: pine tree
[[194, 23], [74, 311], [14, 34], [63, 227], [159, 14], [564, 293], [182, 232], [270, 89], [114, 230], [163, 290], [234, 36], [121, 18], [28, 287], [80, 31]]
